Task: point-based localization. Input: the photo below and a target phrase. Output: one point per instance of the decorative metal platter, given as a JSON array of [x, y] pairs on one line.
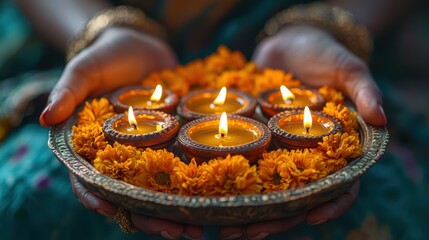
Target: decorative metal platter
[[209, 210]]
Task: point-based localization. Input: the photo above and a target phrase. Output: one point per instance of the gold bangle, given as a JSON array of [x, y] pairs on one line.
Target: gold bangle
[[122, 16], [339, 22], [123, 219]]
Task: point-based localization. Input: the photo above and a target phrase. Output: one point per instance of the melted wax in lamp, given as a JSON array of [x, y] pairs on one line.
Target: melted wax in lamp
[[143, 124], [222, 136], [295, 98], [307, 128], [141, 98], [222, 103]]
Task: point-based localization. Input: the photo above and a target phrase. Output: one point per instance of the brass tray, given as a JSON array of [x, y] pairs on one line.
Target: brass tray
[[209, 210]]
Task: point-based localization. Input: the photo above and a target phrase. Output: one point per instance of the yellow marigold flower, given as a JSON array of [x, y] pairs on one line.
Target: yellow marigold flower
[[239, 79], [347, 118], [306, 167], [273, 78], [119, 162], [98, 110], [88, 139], [157, 167], [168, 79], [224, 59], [189, 179], [330, 94], [231, 176], [273, 178], [340, 145]]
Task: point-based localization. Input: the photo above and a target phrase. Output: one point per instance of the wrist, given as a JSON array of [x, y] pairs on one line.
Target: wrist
[[118, 17], [339, 23]]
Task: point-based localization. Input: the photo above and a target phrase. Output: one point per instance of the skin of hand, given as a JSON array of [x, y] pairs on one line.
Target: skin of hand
[[316, 58], [120, 56]]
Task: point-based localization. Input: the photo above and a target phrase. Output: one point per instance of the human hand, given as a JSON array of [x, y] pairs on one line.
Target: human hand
[[316, 58], [149, 225], [327, 211], [119, 56]]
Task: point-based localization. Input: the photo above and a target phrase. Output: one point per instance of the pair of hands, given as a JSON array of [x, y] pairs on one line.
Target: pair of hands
[[122, 56]]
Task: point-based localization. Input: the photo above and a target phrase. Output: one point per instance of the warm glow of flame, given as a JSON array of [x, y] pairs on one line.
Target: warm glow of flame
[[157, 94], [220, 99], [131, 119], [287, 95], [223, 125], [308, 120]]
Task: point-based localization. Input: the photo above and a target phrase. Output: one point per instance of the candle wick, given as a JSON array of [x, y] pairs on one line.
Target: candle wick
[[307, 129], [134, 126], [222, 135], [289, 100]]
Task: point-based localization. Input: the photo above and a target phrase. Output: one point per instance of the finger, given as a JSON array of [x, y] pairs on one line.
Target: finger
[[335, 208], [265, 229], [78, 79], [233, 232], [355, 80], [193, 232], [156, 226], [90, 200]]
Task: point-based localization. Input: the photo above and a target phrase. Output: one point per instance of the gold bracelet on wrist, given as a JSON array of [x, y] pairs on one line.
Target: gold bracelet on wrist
[[121, 16], [339, 22]]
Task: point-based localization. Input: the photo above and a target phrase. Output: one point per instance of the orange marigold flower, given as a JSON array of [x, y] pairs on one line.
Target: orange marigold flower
[[224, 59], [231, 176], [239, 79], [273, 178], [157, 167], [330, 94], [306, 167], [168, 79], [88, 139], [119, 162], [347, 118], [98, 110], [189, 179], [195, 74], [273, 78], [340, 145]]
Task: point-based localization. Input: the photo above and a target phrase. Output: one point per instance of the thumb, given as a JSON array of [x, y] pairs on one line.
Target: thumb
[[76, 82], [356, 81]]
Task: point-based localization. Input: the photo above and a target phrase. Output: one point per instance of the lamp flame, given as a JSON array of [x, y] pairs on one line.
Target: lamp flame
[[287, 95], [308, 120], [220, 99], [157, 94], [131, 119], [223, 125]]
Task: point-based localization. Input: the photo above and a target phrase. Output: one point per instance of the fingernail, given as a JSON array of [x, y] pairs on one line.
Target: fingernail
[[166, 235], [318, 222], [102, 212], [43, 115], [261, 235], [382, 114], [233, 236]]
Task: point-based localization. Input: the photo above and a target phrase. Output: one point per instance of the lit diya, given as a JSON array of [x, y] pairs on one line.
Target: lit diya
[[302, 129], [217, 136], [274, 101], [144, 98], [144, 128], [202, 103]]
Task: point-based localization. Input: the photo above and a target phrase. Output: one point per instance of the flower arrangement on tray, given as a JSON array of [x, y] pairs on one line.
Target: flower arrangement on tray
[[164, 171]]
